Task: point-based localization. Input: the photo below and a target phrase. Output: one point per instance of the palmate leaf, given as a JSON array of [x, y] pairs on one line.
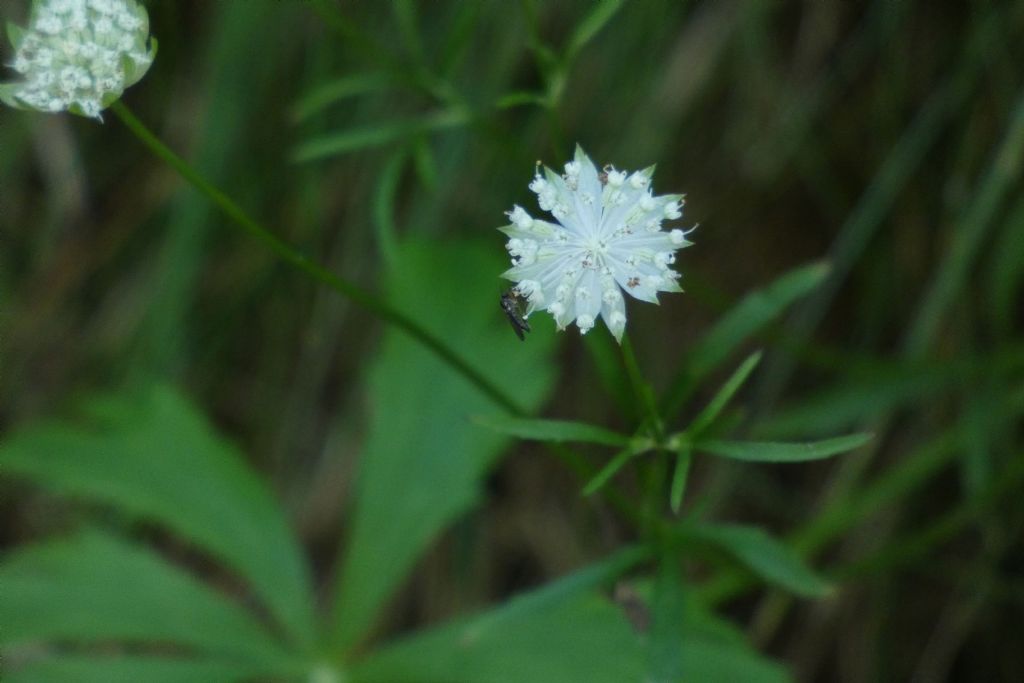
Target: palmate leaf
[[566, 632], [131, 669], [424, 459], [93, 587], [153, 456], [560, 633]]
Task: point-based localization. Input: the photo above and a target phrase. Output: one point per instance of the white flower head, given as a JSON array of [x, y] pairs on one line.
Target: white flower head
[[607, 239], [78, 55]]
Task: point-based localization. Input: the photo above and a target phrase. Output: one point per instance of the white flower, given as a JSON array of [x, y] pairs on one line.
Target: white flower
[[78, 55], [607, 240]]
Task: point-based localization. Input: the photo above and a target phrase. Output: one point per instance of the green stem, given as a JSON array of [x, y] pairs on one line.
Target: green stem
[[642, 390], [296, 259]]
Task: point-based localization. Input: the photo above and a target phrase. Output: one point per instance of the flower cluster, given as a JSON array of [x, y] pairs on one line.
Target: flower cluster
[[78, 55], [608, 240]]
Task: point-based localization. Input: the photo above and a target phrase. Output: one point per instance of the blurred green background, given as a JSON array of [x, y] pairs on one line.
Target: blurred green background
[[386, 139]]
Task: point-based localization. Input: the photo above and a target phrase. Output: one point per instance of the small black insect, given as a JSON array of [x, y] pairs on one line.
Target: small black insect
[[510, 304]]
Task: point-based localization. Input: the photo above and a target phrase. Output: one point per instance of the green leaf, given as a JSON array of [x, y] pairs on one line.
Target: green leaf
[[712, 649], [668, 612], [7, 91], [564, 633], [338, 90], [679, 477], [752, 313], [424, 460], [385, 197], [153, 456], [870, 391], [765, 556], [710, 661], [1004, 272], [707, 416], [609, 470], [336, 144], [552, 430], [130, 669], [776, 451], [15, 34], [93, 587], [591, 25], [558, 634], [1001, 179], [521, 98]]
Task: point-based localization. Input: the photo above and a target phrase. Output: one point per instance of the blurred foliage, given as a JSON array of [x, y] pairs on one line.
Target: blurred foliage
[[224, 421]]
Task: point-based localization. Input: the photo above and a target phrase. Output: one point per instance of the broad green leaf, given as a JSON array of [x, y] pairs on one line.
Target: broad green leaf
[[564, 633], [776, 451], [424, 459], [752, 313], [153, 456], [561, 633], [587, 639], [724, 395], [711, 661], [762, 554], [338, 90], [712, 649], [335, 144], [552, 430], [129, 669], [93, 587]]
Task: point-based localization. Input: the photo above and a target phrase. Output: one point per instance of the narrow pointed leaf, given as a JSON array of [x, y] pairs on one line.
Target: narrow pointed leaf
[[763, 555], [375, 135], [775, 451], [608, 471], [600, 14], [552, 430], [679, 477], [724, 395], [338, 90], [745, 319]]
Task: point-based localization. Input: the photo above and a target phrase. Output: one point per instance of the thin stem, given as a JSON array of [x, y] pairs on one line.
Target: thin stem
[[294, 258], [641, 389]]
